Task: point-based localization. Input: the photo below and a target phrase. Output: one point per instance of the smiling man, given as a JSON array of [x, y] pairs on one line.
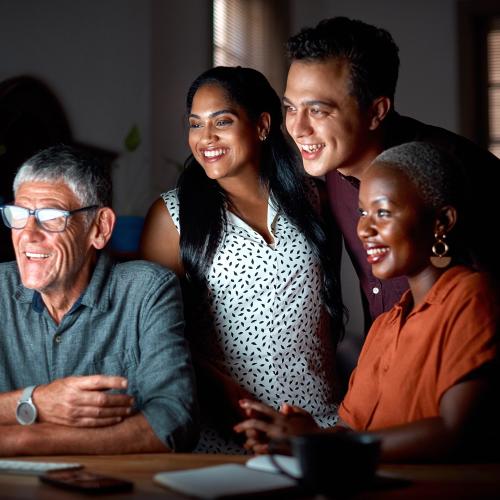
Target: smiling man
[[339, 104], [92, 353]]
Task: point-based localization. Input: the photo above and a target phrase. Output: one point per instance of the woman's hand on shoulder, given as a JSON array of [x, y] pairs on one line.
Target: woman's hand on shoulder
[[160, 238]]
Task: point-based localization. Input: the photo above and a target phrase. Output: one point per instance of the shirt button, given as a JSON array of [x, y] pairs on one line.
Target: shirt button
[[375, 290], [57, 339]]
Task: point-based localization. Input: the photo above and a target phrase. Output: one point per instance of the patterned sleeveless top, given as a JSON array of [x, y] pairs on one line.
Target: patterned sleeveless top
[[264, 324]]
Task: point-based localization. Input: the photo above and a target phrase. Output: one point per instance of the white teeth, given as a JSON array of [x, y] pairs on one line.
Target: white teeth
[[212, 153], [37, 255], [376, 251], [311, 148]]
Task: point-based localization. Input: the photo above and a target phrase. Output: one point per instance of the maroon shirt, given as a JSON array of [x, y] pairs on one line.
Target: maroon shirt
[[377, 296]]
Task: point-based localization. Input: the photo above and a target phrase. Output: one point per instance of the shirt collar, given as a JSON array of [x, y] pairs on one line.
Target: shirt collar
[[436, 295], [272, 215], [39, 306], [354, 181], [96, 295], [446, 282]]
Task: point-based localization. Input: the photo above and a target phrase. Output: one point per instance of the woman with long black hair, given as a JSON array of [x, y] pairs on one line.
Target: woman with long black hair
[[242, 229]]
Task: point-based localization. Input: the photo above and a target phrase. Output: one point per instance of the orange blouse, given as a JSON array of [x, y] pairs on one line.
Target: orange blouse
[[405, 367]]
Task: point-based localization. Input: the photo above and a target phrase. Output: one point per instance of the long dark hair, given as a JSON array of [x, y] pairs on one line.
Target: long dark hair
[[202, 200]]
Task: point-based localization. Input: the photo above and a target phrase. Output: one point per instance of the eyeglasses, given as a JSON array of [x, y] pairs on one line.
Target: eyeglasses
[[53, 220]]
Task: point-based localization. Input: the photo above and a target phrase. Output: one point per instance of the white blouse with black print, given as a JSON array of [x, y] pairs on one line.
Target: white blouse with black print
[[269, 330]]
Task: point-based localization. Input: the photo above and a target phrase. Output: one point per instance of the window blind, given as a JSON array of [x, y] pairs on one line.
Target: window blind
[[493, 45], [251, 33]]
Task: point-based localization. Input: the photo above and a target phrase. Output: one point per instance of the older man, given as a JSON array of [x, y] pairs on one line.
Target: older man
[[93, 357]]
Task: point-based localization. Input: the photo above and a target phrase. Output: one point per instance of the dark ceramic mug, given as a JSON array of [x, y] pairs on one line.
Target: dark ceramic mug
[[336, 462]]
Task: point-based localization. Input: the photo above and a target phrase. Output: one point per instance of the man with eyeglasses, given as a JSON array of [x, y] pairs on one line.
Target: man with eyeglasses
[[93, 357]]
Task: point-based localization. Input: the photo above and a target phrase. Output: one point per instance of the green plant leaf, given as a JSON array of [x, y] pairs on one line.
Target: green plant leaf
[[133, 139]]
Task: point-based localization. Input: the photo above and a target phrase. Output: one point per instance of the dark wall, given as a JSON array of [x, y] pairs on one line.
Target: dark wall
[[31, 118]]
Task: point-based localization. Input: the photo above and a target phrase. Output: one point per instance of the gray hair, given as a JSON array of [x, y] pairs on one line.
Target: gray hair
[[89, 180], [434, 173]]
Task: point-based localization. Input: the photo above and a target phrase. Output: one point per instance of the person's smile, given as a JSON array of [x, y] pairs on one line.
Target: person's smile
[[213, 154], [376, 253], [34, 256], [311, 151]]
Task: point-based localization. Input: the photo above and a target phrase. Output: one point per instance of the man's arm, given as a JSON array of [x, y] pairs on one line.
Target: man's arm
[[132, 435], [74, 401], [164, 378], [8, 404]]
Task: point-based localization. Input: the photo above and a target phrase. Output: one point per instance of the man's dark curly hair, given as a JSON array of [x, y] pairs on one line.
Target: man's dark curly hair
[[370, 52]]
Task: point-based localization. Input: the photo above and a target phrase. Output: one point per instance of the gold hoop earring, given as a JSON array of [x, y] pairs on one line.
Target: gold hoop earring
[[440, 249]]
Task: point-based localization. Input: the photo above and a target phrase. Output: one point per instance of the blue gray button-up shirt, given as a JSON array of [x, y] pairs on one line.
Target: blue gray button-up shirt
[[128, 322]]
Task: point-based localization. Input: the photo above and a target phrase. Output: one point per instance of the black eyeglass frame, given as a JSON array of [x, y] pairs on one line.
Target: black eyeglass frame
[[64, 213]]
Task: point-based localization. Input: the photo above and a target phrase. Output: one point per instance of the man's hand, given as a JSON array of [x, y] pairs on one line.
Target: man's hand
[[82, 401], [264, 424]]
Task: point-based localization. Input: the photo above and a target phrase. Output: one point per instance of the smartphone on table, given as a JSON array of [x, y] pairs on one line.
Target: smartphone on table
[[85, 481]]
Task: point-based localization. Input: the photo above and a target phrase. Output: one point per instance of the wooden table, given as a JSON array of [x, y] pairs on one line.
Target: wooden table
[[475, 481]]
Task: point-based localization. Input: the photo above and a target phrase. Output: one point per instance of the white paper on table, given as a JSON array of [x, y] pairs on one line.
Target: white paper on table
[[225, 480], [263, 463]]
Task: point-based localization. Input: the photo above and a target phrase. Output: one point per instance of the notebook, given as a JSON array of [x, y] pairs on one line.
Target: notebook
[[225, 481], [263, 462]]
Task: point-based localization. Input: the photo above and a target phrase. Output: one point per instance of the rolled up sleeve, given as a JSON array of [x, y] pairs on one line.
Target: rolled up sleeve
[[165, 377]]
